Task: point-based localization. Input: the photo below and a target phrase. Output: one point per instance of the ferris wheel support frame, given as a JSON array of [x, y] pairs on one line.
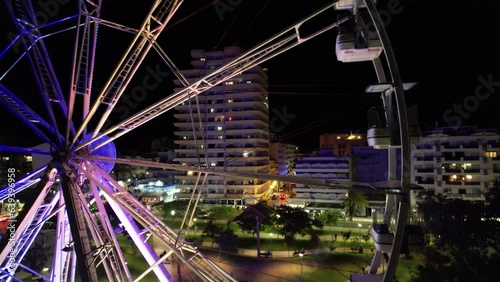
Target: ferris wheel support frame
[[397, 90]]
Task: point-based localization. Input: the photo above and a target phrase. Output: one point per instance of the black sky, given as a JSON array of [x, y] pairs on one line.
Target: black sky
[[445, 47]]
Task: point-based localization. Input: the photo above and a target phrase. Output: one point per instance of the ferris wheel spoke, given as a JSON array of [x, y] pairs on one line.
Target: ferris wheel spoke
[[121, 201], [125, 218], [156, 20], [25, 114], [62, 245], [21, 184], [24, 18], [281, 42], [343, 185], [30, 225], [103, 225], [23, 150], [83, 61]]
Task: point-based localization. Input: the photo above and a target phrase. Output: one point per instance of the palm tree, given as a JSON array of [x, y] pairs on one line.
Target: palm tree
[[354, 200]]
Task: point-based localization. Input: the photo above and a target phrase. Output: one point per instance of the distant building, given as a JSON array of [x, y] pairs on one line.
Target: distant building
[[21, 163], [324, 165], [235, 121], [151, 198], [342, 144], [282, 157], [458, 162]]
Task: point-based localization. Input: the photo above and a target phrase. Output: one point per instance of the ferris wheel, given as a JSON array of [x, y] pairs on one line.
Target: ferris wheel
[[79, 152]]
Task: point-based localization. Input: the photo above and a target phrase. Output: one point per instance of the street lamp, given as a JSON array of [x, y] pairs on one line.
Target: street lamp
[[360, 225], [172, 212], [271, 235], [194, 219], [301, 277]]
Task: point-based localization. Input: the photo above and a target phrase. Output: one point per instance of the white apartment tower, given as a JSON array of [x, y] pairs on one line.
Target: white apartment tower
[[459, 162], [234, 117]]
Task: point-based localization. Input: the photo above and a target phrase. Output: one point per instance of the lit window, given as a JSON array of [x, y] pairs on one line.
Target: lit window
[[245, 154], [212, 164], [230, 101], [219, 128], [228, 83], [220, 137], [202, 59], [190, 173], [469, 177], [184, 137], [5, 158], [491, 154], [201, 146], [338, 137], [249, 81], [230, 118], [28, 158], [212, 110]]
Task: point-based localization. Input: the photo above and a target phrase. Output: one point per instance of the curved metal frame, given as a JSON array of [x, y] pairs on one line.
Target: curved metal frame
[[404, 202]]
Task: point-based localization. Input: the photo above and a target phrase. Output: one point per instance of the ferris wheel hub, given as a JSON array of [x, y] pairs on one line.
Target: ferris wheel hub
[[107, 150]]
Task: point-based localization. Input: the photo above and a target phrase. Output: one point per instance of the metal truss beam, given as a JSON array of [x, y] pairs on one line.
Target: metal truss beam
[[78, 227], [203, 267], [25, 114], [281, 42], [156, 20], [247, 175], [83, 60], [23, 183], [23, 233], [24, 17]]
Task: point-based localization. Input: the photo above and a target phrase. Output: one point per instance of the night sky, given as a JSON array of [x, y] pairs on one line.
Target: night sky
[[448, 48]]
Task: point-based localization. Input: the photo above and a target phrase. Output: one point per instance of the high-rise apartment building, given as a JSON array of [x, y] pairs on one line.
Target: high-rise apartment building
[[459, 162], [235, 121]]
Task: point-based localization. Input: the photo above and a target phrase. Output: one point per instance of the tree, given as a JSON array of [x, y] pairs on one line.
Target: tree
[[292, 221], [179, 207], [330, 217], [255, 218], [227, 241], [354, 200], [125, 172], [222, 212], [465, 238], [212, 231]]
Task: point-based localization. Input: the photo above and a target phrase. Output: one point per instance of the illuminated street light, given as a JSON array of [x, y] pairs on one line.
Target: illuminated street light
[[271, 235]]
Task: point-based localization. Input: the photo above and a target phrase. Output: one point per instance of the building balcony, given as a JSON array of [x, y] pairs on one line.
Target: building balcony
[[424, 159], [451, 158], [448, 146], [425, 170], [425, 147], [451, 171], [472, 146], [425, 181], [471, 158]]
